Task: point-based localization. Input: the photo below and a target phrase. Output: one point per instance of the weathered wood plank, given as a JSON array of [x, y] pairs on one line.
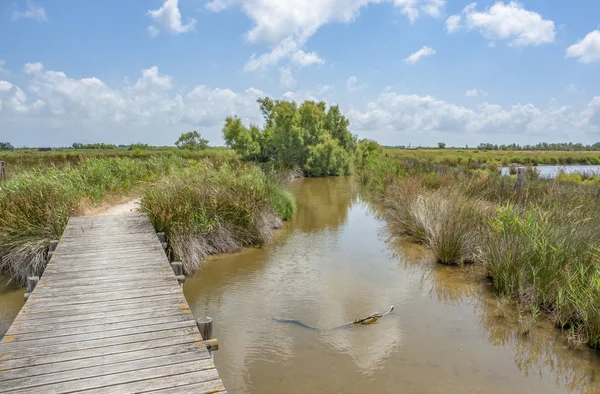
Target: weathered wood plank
[[83, 321], [140, 375], [29, 351], [212, 386], [100, 370], [48, 368], [19, 341], [120, 327], [80, 355], [175, 381]]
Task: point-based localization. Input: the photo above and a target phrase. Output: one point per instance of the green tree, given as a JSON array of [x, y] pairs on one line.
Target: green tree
[[441, 145], [308, 136], [6, 146], [191, 140]]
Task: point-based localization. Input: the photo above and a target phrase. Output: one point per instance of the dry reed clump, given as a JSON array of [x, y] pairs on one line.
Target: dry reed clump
[[207, 210], [443, 219]]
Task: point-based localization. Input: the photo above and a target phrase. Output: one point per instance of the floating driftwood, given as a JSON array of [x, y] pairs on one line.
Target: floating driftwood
[[370, 319]]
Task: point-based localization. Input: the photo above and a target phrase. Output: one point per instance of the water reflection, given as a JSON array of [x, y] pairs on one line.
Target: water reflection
[[11, 301]]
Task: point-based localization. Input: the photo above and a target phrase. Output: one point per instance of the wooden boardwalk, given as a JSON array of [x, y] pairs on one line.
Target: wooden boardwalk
[[108, 316]]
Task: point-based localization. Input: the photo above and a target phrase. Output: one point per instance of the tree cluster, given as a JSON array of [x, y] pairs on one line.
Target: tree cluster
[[191, 141], [561, 146], [98, 145], [6, 146], [308, 136]]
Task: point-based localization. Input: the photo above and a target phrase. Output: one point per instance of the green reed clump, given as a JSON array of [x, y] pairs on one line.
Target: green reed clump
[[36, 204], [208, 209], [547, 258]]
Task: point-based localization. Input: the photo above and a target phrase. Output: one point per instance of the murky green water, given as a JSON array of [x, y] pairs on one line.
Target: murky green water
[[332, 264]]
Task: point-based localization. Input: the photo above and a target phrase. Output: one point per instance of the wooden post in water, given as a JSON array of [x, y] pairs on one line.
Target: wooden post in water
[[32, 281], [521, 175], [2, 171], [205, 326], [178, 271]]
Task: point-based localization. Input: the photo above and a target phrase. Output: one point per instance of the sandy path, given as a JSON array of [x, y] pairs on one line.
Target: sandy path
[[131, 205]]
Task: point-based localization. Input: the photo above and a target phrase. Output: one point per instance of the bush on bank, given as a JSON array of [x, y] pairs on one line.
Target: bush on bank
[[208, 209]]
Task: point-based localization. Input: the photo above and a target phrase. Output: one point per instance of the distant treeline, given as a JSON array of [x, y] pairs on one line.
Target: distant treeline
[[542, 146]]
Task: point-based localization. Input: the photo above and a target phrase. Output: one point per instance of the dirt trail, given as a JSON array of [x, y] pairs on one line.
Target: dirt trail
[[131, 205]]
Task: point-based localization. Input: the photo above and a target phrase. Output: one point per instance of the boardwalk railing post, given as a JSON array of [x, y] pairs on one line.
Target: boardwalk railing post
[[521, 174], [163, 240], [205, 326], [2, 171], [51, 249], [32, 281], [178, 271]]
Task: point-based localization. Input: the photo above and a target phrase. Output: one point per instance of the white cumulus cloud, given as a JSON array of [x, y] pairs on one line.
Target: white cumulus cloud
[[475, 93], [286, 79], [287, 26], [414, 8], [586, 50], [32, 11], [353, 85], [510, 21], [420, 54], [453, 23], [169, 17], [403, 114]]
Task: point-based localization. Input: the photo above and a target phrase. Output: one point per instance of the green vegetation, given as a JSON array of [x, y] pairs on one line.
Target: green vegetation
[[216, 208], [191, 141], [21, 160], [36, 203], [98, 145], [475, 158], [309, 137], [6, 146], [540, 245]]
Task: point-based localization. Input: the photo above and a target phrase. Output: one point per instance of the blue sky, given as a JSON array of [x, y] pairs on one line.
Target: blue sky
[[403, 71]]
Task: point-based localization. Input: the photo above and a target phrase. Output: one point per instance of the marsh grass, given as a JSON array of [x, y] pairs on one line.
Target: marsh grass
[[209, 209], [36, 204]]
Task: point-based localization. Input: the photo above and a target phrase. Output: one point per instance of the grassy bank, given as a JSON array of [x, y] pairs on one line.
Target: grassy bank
[[208, 209], [35, 204], [539, 246], [477, 157]]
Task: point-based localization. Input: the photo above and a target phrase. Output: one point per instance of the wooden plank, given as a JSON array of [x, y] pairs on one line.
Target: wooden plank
[[140, 375], [212, 386], [29, 351], [82, 321], [113, 350], [20, 341], [121, 327], [35, 370], [33, 381], [132, 304], [175, 381]]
